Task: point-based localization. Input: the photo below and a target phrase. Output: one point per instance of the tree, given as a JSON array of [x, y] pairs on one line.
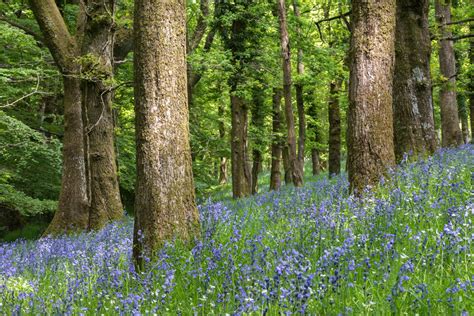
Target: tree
[[236, 42], [370, 132], [471, 82], [258, 117], [450, 131], [293, 164], [334, 116], [72, 213], [316, 138], [165, 205], [97, 88], [413, 120], [92, 139], [299, 90], [277, 141]]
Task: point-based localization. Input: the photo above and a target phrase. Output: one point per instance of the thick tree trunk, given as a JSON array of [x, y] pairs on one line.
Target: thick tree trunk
[[450, 131], [241, 177], [72, 213], [313, 128], [277, 141], [370, 125], [334, 115], [258, 125], [293, 164], [299, 92], [413, 120], [165, 206], [97, 71]]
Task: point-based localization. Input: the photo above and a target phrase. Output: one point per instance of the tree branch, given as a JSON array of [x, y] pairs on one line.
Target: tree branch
[[340, 16], [60, 42], [460, 21], [452, 38], [22, 27], [195, 39]]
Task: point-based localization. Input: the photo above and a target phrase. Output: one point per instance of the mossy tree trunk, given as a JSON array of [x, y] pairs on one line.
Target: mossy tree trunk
[[370, 126], [293, 164], [413, 120], [450, 131], [334, 116], [277, 140], [165, 206], [97, 86], [72, 213]]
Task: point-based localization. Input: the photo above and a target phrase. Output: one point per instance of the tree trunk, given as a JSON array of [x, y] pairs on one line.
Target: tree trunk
[[299, 91], [236, 44], [241, 178], [277, 141], [334, 115], [471, 82], [97, 71], [450, 131], [223, 160], [413, 120], [286, 164], [258, 124], [370, 122], [463, 115], [72, 213], [313, 127], [293, 165], [165, 206]]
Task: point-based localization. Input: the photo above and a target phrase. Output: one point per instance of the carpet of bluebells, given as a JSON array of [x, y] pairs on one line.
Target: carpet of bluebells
[[405, 247]]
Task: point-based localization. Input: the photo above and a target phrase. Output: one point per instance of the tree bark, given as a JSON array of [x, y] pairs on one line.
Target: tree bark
[[241, 177], [236, 44], [293, 164], [258, 124], [471, 82], [299, 91], [413, 120], [97, 74], [450, 131], [334, 115], [72, 213], [277, 141], [316, 139], [463, 115], [165, 206], [223, 160], [370, 125]]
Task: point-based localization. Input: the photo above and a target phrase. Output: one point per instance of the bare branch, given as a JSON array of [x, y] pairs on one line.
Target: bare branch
[[36, 91], [460, 21], [340, 16]]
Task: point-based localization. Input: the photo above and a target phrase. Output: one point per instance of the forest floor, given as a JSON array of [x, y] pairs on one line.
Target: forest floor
[[406, 247]]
